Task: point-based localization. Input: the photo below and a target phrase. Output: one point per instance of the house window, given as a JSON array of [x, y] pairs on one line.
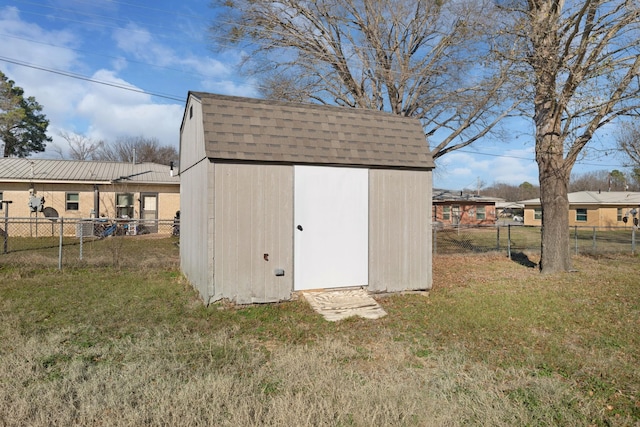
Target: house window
[[537, 213], [1, 204], [73, 201], [480, 213], [620, 214], [446, 213], [124, 205], [455, 212], [581, 215]]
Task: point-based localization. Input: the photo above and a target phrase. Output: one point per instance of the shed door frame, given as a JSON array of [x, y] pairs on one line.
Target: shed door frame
[[331, 227]]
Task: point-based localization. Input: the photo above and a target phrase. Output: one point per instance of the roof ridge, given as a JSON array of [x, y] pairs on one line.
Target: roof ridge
[[301, 104], [69, 170], [246, 129]]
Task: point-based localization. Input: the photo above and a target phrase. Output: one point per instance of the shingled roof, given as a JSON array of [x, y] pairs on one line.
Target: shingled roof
[[260, 130]]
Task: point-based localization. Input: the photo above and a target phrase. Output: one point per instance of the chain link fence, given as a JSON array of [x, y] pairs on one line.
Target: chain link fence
[[101, 241], [512, 238], [119, 242]]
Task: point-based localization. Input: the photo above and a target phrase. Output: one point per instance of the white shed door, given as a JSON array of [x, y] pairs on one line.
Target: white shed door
[[331, 217]]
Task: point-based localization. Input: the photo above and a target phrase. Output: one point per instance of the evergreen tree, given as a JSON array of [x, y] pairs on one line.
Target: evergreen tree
[[23, 126]]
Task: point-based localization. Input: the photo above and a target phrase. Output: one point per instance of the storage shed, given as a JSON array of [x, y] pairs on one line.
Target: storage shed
[[280, 197]]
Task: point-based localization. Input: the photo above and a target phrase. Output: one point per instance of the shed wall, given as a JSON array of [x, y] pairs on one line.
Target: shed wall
[[192, 135], [254, 217], [399, 230], [196, 227]]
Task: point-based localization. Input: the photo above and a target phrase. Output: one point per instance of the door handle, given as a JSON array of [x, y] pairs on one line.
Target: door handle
[[299, 227]]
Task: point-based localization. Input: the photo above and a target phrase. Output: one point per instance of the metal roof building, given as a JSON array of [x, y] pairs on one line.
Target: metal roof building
[[82, 189], [591, 208], [98, 172], [622, 198]]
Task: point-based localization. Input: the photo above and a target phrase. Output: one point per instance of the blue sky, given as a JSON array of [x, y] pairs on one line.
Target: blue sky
[[149, 54]]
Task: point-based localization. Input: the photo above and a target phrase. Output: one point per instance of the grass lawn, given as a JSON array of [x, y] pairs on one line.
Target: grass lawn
[[494, 343]]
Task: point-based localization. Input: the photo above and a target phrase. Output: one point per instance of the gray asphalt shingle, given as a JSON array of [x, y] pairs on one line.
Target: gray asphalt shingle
[[269, 131]]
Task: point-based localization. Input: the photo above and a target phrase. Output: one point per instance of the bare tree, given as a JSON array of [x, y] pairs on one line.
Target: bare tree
[[629, 143], [138, 149], [427, 59], [81, 147], [634, 179], [584, 61]]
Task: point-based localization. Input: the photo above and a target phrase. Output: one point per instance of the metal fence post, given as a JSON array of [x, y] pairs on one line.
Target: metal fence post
[[594, 239], [633, 240], [435, 239], [60, 247], [81, 237], [575, 237], [498, 237], [6, 204], [509, 240]]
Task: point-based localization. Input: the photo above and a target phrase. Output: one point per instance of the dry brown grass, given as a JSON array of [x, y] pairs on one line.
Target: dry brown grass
[[155, 379], [494, 343]]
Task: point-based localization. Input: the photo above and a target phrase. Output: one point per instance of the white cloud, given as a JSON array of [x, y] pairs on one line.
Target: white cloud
[[462, 169], [101, 111], [139, 42], [114, 112], [54, 92], [457, 170], [515, 167], [207, 67], [213, 74]]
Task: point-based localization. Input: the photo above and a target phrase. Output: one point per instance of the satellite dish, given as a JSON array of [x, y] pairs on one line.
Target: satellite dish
[[50, 213]]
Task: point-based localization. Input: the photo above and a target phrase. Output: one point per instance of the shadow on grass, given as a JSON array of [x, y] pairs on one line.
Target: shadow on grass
[[523, 259]]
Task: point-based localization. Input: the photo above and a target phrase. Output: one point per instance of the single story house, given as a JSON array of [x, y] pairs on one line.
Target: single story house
[[461, 208], [592, 208], [509, 209], [279, 197], [88, 189]]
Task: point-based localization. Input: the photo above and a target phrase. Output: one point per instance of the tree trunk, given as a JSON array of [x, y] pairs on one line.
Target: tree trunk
[[554, 172], [554, 191], [553, 169], [555, 253]]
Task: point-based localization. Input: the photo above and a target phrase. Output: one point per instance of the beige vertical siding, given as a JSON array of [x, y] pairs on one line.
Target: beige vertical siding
[[192, 135], [196, 205], [254, 216], [399, 230], [196, 217]]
